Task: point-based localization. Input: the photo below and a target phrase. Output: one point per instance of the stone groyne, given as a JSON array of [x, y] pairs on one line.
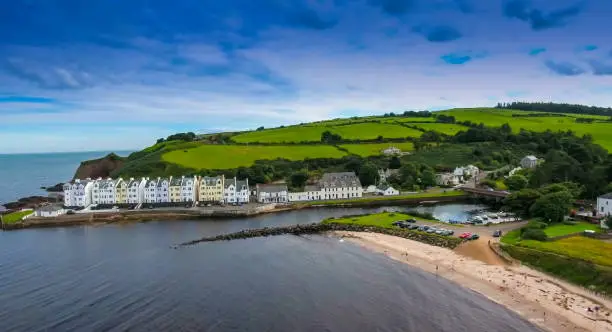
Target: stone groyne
[[432, 239]]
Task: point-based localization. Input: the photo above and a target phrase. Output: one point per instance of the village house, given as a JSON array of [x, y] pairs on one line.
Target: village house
[[464, 173], [78, 193], [529, 162], [49, 211], [391, 151], [310, 193], [150, 191], [175, 189], [163, 195], [371, 189], [448, 179], [136, 190], [236, 191], [340, 185], [120, 191], [387, 190], [189, 186], [272, 193], [211, 189]]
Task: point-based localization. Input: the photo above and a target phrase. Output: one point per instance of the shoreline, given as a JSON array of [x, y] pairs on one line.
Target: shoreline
[[543, 300], [170, 214]]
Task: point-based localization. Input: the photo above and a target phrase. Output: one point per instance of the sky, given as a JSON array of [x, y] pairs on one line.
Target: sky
[[117, 75]]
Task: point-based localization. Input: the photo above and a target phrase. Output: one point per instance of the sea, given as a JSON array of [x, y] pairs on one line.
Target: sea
[[127, 277], [22, 175]]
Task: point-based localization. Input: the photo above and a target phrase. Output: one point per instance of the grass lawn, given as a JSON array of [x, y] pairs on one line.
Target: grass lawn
[[592, 250], [384, 220], [279, 135], [500, 185], [15, 216], [375, 149], [409, 119], [562, 229], [233, 156], [601, 132], [449, 193]]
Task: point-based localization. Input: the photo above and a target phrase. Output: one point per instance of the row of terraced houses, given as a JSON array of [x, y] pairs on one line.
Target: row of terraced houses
[[217, 190]]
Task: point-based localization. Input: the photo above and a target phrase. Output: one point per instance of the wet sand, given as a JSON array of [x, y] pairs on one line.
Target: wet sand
[[547, 302]]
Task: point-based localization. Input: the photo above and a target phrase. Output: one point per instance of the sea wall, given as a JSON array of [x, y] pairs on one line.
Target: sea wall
[[433, 239]]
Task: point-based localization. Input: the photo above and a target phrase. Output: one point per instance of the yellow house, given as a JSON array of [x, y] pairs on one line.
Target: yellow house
[[121, 191], [211, 189], [175, 189]]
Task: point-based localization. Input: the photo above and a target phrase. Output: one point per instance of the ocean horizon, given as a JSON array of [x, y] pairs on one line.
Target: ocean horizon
[[23, 174]]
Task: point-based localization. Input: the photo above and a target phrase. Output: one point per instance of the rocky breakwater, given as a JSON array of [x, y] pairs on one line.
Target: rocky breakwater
[[432, 239]]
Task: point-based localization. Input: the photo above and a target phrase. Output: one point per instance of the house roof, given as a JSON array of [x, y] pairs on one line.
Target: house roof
[[606, 196], [161, 181], [49, 208], [242, 184], [210, 180], [230, 182], [340, 180], [531, 157], [151, 182], [312, 188], [271, 188], [134, 182], [176, 181]]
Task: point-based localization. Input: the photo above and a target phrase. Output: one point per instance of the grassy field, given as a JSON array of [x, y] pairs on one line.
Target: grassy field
[[592, 250], [233, 156], [444, 128], [601, 132], [409, 119], [366, 150], [384, 220], [312, 133], [562, 229], [15, 216]]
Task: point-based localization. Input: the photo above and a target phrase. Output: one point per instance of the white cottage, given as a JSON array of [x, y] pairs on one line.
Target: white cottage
[[341, 185], [189, 187], [529, 162], [150, 191], [386, 190], [49, 211], [163, 191], [272, 193], [310, 193]]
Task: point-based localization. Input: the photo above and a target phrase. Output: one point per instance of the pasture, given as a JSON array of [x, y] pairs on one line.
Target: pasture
[[444, 128], [366, 150], [601, 131], [233, 156]]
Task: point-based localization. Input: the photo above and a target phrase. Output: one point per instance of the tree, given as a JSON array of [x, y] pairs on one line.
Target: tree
[[395, 162], [298, 179], [428, 178], [552, 207], [534, 234], [368, 174], [330, 138], [260, 128], [161, 140], [608, 222], [521, 201], [516, 182]]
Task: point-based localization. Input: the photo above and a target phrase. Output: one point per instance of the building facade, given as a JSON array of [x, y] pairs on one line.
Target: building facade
[[211, 189], [136, 190], [78, 193], [604, 205], [340, 185], [272, 193], [189, 189], [175, 189], [150, 191], [163, 192], [310, 193], [120, 191]]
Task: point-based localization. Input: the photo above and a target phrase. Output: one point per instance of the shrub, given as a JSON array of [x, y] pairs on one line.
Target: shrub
[[534, 234]]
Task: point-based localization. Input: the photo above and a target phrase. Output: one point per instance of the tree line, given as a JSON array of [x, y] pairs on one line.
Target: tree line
[[556, 108]]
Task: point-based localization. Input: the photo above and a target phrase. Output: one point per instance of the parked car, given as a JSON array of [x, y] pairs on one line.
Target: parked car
[[440, 232], [413, 227], [474, 237], [432, 230], [450, 232], [465, 235], [497, 233], [400, 224], [422, 228], [411, 220]]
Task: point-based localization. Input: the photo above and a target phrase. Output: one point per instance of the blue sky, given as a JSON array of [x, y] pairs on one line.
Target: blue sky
[[116, 75]]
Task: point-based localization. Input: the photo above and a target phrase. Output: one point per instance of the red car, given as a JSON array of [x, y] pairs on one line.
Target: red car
[[465, 235]]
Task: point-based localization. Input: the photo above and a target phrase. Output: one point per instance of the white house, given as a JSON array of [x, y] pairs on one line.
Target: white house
[[340, 185], [150, 191], [371, 189], [229, 191], [392, 150], [387, 191], [78, 193], [136, 190], [242, 191], [310, 193], [189, 187], [272, 193], [448, 179], [236, 191], [48, 211], [104, 191], [604, 205], [529, 162], [163, 192]]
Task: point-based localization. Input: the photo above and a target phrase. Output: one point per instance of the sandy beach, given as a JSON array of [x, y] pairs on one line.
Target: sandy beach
[[547, 302]]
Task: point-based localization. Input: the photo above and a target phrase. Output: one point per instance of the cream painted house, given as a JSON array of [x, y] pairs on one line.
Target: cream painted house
[[211, 189], [120, 191], [175, 189]]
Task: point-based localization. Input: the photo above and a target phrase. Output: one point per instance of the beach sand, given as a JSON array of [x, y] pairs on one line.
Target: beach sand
[[547, 302]]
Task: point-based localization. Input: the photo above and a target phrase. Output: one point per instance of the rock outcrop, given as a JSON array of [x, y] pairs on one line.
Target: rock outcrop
[[102, 167]]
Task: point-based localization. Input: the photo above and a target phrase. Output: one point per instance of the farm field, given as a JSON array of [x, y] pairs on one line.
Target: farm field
[[233, 156], [601, 132], [311, 133], [408, 119], [366, 150], [444, 128]]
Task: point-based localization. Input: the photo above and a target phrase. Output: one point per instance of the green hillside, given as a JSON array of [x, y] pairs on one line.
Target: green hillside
[[363, 137]]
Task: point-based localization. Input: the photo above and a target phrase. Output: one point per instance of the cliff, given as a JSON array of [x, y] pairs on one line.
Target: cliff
[[102, 167]]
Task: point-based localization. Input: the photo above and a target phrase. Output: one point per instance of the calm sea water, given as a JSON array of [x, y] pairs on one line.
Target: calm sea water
[[23, 174], [125, 277]]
